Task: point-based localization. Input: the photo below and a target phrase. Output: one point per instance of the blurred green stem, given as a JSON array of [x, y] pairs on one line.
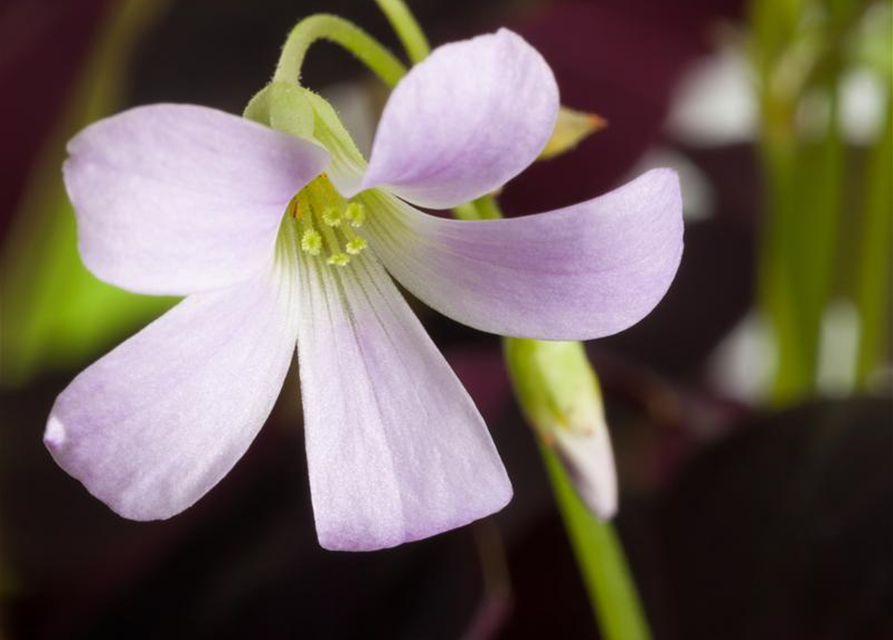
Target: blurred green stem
[[799, 61], [771, 25], [407, 28], [874, 254], [775, 281], [346, 34]]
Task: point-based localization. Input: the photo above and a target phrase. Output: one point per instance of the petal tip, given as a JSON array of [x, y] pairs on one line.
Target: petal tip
[[353, 541], [588, 459], [668, 179], [55, 436], [465, 121], [604, 507], [600, 494]]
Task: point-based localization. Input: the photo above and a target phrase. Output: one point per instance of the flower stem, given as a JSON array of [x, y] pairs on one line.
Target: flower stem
[[364, 47], [612, 591], [407, 28]]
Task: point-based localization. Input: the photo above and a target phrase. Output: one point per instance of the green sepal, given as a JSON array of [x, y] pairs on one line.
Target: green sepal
[[283, 107], [571, 128]]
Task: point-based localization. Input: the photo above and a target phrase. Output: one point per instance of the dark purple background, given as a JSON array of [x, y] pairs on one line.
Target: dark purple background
[[779, 529]]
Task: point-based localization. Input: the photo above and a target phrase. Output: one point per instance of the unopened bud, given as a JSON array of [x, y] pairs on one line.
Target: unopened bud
[[559, 394], [571, 128], [284, 107]]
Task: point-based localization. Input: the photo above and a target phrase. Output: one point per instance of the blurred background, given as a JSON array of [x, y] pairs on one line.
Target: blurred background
[[750, 413]]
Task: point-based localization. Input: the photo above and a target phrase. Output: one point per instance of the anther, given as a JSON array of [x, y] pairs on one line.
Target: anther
[[328, 222], [311, 242], [336, 256], [331, 216], [339, 259], [356, 213], [356, 246]]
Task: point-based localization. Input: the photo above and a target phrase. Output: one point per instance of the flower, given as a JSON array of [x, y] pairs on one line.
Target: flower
[[277, 241]]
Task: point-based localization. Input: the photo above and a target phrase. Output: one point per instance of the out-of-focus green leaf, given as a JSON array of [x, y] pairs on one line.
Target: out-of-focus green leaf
[[873, 41], [55, 314], [800, 50]]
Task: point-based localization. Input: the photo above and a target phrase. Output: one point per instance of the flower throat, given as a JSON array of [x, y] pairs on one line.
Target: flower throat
[[328, 222]]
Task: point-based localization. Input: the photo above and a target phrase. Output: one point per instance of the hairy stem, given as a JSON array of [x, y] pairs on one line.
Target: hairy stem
[[407, 28], [364, 47]]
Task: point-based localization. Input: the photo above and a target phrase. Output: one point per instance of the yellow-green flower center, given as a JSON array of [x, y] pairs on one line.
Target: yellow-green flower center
[[328, 222]]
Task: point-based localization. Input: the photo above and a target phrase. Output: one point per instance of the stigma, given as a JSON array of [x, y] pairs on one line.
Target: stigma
[[329, 223]]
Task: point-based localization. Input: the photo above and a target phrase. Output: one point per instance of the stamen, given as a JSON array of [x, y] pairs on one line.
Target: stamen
[[311, 242], [331, 217], [355, 244], [327, 221], [356, 213], [336, 256], [339, 260]]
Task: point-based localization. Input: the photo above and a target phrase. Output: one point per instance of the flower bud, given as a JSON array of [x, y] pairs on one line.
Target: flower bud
[[560, 396], [571, 128], [284, 107]]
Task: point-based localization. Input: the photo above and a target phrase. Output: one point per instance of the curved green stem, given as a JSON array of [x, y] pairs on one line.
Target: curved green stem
[[407, 28], [367, 49]]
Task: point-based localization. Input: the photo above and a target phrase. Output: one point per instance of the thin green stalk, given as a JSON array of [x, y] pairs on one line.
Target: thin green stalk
[[346, 34], [873, 277], [483, 208], [407, 29], [612, 591], [488, 208], [772, 27], [467, 211], [812, 243], [777, 294]]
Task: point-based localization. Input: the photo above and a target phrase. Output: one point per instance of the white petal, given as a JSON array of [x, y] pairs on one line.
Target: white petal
[[153, 425], [396, 449], [464, 121], [178, 199], [578, 273]]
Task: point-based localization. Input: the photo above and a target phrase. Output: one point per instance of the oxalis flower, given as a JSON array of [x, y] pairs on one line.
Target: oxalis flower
[[278, 241]]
